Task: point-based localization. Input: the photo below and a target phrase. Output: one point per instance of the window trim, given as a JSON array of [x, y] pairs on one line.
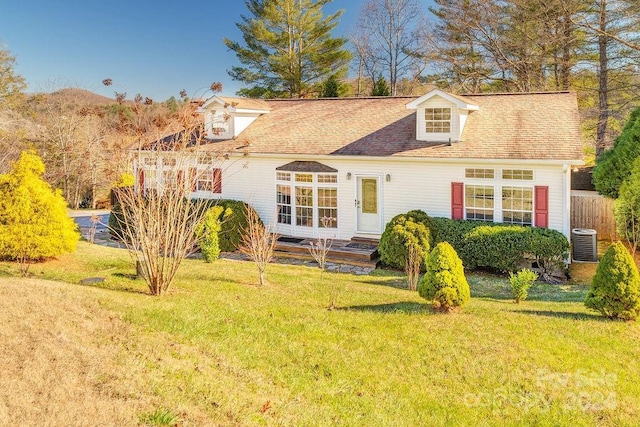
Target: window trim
[[295, 180], [491, 210], [434, 121], [523, 211]]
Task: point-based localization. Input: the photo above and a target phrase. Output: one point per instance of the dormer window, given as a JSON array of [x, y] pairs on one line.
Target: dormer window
[[441, 116], [437, 120], [220, 123]]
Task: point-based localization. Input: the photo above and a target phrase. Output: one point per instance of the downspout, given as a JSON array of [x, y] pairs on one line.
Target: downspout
[[566, 201]]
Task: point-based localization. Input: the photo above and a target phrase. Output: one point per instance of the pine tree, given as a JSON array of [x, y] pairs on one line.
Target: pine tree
[[331, 88], [288, 48], [381, 88], [34, 224], [614, 166]]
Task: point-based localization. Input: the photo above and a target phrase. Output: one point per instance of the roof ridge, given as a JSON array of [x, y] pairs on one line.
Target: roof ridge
[[344, 98], [549, 92]]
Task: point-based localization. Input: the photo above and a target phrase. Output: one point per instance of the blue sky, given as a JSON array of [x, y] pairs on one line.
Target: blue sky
[[155, 48]]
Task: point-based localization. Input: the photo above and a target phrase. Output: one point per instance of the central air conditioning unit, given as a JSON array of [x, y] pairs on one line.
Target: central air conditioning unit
[[585, 245]]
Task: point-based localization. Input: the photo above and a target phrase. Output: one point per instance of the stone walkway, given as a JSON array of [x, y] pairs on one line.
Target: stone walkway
[[103, 238], [331, 266]]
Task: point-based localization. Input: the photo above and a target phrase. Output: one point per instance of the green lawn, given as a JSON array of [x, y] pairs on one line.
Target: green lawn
[[219, 350]]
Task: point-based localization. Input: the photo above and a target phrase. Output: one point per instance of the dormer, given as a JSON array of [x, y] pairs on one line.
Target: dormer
[[227, 117], [440, 116]]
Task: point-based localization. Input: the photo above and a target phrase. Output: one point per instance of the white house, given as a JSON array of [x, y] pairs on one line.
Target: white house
[[361, 161]]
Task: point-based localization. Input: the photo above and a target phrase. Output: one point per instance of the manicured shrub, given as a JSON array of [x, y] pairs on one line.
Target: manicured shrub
[[454, 231], [34, 224], [520, 283], [207, 232], [549, 247], [444, 282], [615, 288], [498, 247], [403, 231], [232, 223]]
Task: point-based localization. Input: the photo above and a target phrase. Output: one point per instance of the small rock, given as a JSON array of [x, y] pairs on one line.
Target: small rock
[[92, 280]]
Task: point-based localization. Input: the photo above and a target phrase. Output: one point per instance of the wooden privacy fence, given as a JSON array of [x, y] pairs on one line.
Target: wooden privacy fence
[[591, 210]]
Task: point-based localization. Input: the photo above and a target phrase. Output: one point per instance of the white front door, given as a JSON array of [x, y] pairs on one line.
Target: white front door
[[368, 204]]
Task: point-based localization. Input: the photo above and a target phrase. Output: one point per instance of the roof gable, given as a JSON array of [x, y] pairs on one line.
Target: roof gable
[[236, 104], [458, 101]]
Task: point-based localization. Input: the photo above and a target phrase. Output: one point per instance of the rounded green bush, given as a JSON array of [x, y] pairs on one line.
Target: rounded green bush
[[444, 283], [403, 231], [615, 288]]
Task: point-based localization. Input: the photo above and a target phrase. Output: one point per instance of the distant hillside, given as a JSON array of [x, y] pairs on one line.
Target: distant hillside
[[78, 96]]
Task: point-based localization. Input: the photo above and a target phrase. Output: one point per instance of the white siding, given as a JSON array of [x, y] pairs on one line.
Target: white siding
[[424, 185], [242, 121]]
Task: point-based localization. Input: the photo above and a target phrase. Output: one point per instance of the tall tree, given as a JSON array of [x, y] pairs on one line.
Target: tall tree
[[611, 27], [505, 45], [388, 42], [288, 48], [13, 127], [12, 84]]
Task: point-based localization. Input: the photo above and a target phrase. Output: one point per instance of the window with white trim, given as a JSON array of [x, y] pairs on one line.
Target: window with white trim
[[170, 179], [150, 180], [315, 196], [204, 181], [517, 205], [479, 173], [518, 174], [437, 120], [283, 203], [304, 206], [328, 207], [479, 202]]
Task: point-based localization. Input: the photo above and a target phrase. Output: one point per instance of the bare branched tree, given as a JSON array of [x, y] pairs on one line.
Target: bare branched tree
[[321, 247], [412, 267], [159, 230], [258, 242], [159, 218], [387, 40]]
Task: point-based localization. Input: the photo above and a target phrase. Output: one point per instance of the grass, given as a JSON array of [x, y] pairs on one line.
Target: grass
[[218, 350]]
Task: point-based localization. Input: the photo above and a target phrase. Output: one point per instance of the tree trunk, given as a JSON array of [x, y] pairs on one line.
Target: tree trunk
[[603, 90]]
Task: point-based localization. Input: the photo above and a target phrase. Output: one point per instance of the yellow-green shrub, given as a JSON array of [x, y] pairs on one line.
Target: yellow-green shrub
[[403, 231], [34, 224], [207, 232], [444, 282]]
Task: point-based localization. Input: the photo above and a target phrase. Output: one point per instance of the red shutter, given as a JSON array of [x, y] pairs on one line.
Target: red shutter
[[193, 178], [180, 181], [141, 181], [541, 206], [217, 180], [457, 200]]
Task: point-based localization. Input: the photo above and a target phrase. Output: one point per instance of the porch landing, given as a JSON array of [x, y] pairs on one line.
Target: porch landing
[[354, 251]]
